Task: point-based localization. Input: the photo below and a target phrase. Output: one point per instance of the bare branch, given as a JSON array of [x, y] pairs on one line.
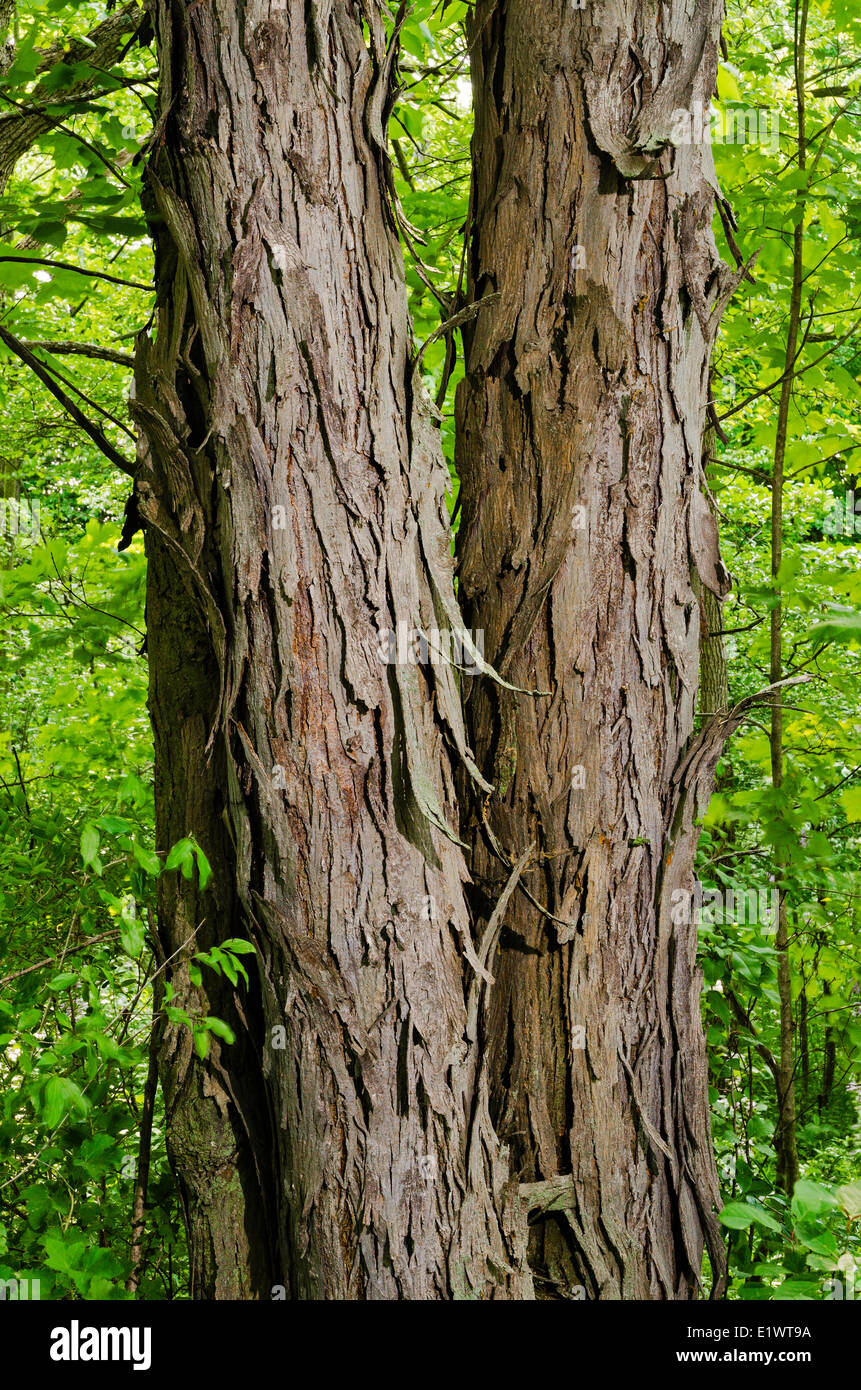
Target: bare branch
[[79, 270], [123, 359], [102, 47], [95, 434]]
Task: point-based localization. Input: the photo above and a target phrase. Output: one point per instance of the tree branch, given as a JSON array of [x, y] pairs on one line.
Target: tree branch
[[744, 1019], [56, 960], [101, 48], [99, 439], [124, 359], [791, 374], [79, 270]]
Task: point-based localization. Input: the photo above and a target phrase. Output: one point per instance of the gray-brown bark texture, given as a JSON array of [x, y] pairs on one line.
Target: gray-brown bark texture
[[291, 482], [583, 537]]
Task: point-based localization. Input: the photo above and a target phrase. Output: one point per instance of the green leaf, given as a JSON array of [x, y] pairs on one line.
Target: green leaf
[[183, 857], [132, 936], [727, 86], [148, 861], [60, 982], [90, 841], [49, 232], [62, 1095], [739, 1216], [810, 1199], [63, 1255], [203, 867], [229, 966], [181, 853], [842, 628], [220, 1029], [849, 1197]]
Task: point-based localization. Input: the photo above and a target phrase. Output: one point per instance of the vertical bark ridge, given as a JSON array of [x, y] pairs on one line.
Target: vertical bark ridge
[[291, 478], [583, 531]]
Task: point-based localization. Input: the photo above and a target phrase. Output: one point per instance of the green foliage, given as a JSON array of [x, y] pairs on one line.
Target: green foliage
[[800, 1249], [78, 863], [802, 837]]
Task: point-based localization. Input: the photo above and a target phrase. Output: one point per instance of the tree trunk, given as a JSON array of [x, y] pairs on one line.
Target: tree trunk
[[785, 1139], [218, 1131], [804, 1041], [714, 670], [292, 486], [7, 43], [829, 1067], [580, 426]]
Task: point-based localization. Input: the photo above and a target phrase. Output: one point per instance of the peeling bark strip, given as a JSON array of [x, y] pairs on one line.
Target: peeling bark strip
[[583, 530], [350, 1119]]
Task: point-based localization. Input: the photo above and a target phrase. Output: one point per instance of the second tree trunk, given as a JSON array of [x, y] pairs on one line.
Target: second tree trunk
[[583, 540]]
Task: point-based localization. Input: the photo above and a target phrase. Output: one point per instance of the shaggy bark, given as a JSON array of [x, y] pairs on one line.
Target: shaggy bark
[[714, 671], [291, 482], [583, 534], [7, 45]]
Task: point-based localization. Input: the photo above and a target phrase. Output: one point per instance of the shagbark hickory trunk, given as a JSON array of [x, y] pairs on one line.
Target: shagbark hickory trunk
[[291, 484], [584, 533]]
